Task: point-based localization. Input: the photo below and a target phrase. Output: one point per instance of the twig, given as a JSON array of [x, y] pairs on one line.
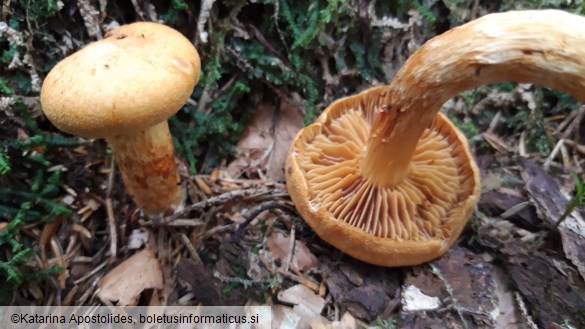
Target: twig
[[245, 282], [111, 176], [219, 229], [577, 200], [577, 147], [179, 222], [494, 122], [190, 248], [215, 200], [299, 279], [204, 99], [70, 295], [88, 292], [565, 123], [553, 154], [291, 249], [58, 253], [260, 37], [161, 245], [207, 96], [90, 273], [522, 144], [112, 228], [515, 209], [237, 234], [575, 123], [204, 13]]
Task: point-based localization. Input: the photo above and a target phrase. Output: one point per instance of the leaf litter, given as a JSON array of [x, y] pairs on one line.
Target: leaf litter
[[125, 282]]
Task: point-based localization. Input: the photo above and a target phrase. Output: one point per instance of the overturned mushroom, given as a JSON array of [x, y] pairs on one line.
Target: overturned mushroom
[[385, 178], [124, 88]]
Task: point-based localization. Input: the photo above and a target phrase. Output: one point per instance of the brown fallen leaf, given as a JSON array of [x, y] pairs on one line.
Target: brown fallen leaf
[[299, 294], [125, 282], [265, 142], [302, 258], [298, 316]]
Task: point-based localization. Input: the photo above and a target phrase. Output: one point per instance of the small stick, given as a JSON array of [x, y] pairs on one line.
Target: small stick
[[90, 273], [215, 200], [565, 157], [553, 154], [522, 144], [190, 248], [257, 212], [577, 147], [299, 279], [58, 253], [291, 249], [494, 122], [575, 123], [111, 176], [112, 228]]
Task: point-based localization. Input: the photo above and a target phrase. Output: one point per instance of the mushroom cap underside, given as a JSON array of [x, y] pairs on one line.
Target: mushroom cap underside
[[137, 76], [410, 223]]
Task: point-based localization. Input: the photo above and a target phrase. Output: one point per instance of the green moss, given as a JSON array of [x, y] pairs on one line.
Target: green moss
[[13, 273], [4, 88]]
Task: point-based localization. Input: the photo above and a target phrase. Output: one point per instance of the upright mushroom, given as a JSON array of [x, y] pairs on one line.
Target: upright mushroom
[[123, 88], [385, 178]]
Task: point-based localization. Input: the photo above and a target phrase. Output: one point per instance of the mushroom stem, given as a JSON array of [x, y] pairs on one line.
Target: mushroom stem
[[545, 47], [147, 162]]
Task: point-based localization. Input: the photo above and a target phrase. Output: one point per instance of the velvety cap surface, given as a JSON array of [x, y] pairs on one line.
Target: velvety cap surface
[[138, 75]]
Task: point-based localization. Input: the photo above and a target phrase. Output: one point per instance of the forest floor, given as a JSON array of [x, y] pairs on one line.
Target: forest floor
[[71, 235]]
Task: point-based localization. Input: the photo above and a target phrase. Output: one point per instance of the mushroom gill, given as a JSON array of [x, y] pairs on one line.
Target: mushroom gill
[[418, 208]]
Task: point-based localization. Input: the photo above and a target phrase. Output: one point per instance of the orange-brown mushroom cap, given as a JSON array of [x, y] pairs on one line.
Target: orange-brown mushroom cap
[[410, 223], [139, 75]]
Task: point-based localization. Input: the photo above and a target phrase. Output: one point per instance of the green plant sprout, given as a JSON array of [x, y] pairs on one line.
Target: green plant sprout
[[577, 200]]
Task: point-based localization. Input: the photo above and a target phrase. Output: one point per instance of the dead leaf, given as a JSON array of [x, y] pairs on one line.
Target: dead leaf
[[298, 316], [265, 142], [414, 300], [347, 322], [126, 281], [137, 239], [302, 259], [300, 294], [201, 281]]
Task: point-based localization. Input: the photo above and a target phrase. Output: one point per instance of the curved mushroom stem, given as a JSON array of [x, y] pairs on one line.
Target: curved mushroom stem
[[147, 162], [545, 47]]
